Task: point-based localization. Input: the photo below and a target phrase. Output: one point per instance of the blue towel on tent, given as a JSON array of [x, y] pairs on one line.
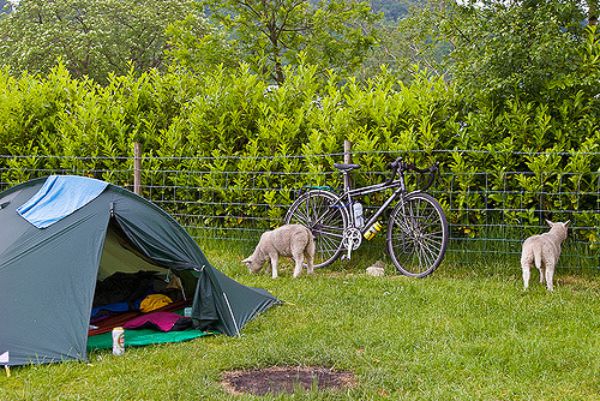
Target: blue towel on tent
[[60, 196]]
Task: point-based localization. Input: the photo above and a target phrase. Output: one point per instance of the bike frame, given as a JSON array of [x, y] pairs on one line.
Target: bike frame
[[331, 214], [345, 199]]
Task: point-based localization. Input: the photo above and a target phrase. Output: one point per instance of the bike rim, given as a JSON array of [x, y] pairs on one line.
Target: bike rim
[[326, 220], [417, 237]]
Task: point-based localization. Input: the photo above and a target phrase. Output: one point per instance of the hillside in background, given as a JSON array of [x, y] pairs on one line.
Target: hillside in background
[[395, 9], [392, 9]]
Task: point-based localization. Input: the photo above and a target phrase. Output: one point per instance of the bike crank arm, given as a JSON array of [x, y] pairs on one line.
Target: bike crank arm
[[351, 240]]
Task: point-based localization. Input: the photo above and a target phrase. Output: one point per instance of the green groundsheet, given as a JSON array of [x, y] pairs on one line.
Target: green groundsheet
[[138, 338]]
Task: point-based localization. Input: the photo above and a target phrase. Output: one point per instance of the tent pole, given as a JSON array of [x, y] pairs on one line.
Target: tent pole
[[237, 329]]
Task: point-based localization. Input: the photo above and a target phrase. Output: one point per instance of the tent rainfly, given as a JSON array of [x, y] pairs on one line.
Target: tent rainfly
[[59, 235]]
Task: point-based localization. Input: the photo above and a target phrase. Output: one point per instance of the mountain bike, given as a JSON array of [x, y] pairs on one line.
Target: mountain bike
[[417, 229]]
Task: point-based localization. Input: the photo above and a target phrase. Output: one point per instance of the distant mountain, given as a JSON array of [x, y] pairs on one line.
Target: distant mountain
[[392, 9], [395, 9]]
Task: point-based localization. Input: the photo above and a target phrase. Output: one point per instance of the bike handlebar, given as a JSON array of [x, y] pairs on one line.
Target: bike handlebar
[[398, 166]]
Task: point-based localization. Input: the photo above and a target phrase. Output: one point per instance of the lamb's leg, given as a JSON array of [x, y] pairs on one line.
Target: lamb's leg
[[549, 276], [525, 266], [299, 259], [310, 268], [273, 265], [542, 273]]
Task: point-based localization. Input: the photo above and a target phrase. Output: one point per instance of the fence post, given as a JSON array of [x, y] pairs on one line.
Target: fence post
[[347, 160], [137, 168], [347, 151]]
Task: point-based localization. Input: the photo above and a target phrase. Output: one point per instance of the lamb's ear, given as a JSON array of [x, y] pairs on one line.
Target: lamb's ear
[[551, 224], [247, 261], [567, 223]]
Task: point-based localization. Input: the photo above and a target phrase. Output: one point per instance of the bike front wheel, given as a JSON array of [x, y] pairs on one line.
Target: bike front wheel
[[326, 218], [417, 235]]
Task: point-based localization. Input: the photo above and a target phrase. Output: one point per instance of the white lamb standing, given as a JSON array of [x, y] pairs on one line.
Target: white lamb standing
[[291, 240], [543, 251]]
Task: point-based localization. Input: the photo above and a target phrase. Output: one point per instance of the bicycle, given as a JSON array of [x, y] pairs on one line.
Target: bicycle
[[417, 233]]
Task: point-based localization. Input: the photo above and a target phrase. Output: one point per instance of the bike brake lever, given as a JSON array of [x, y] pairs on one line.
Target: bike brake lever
[[432, 173], [394, 166]]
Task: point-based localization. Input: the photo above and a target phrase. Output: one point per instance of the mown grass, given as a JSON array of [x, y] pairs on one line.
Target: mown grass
[[469, 332]]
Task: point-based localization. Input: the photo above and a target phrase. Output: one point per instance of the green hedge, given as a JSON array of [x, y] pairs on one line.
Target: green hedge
[[223, 128]]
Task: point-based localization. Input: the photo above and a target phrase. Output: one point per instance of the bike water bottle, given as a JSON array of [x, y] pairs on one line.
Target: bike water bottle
[[375, 228], [358, 214]]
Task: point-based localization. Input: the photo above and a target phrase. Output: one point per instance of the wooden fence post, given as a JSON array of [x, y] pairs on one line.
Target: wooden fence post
[[347, 151], [347, 160], [137, 168]]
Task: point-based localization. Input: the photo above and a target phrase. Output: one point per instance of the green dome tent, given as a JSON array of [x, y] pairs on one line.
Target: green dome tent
[[59, 234]]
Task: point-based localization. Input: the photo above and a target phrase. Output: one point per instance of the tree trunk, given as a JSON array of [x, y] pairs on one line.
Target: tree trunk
[[593, 7]]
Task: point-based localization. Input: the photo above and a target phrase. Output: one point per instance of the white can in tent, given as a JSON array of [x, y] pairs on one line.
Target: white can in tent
[[118, 336]]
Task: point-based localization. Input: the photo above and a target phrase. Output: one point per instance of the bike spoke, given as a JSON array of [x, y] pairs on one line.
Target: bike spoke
[[327, 223], [302, 217], [416, 236]]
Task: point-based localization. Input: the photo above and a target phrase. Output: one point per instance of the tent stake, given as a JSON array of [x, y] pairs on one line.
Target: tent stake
[[7, 368], [231, 313]]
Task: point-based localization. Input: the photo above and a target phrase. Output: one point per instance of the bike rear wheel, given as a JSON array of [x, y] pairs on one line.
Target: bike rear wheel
[[417, 235], [326, 218]]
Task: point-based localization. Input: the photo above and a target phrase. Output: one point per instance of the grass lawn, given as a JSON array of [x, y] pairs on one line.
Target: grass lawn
[[461, 334]]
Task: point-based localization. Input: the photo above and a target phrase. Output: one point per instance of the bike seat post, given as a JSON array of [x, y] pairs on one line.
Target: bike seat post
[[346, 177], [345, 169]]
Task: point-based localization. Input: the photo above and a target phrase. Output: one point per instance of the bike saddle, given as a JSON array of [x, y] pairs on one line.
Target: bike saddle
[[345, 168]]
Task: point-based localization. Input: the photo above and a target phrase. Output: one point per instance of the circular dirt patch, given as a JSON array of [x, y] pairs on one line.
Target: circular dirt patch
[[285, 379]]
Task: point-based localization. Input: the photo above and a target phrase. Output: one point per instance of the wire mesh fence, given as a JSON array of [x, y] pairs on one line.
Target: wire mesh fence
[[491, 210]]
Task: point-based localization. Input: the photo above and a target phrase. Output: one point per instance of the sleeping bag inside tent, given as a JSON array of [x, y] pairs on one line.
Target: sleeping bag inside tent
[[79, 256]]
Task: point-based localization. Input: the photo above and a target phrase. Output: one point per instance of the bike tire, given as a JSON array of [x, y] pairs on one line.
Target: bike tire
[[326, 218], [417, 235]]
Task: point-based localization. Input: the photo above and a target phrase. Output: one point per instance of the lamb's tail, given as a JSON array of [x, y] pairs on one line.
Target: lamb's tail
[[537, 256]]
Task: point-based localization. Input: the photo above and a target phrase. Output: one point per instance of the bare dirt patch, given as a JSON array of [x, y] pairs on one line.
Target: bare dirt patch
[[285, 379]]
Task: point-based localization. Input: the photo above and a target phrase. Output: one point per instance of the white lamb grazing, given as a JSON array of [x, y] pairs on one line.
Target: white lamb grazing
[[292, 240], [543, 250]]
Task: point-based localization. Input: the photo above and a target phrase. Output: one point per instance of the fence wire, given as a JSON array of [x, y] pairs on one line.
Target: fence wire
[[233, 198]]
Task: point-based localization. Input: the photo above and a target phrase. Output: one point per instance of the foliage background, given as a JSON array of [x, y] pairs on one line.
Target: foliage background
[[511, 110], [234, 135]]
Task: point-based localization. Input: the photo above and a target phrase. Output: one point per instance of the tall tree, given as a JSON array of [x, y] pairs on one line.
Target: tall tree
[[410, 44], [92, 37], [269, 34], [593, 10], [518, 48], [195, 44]]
